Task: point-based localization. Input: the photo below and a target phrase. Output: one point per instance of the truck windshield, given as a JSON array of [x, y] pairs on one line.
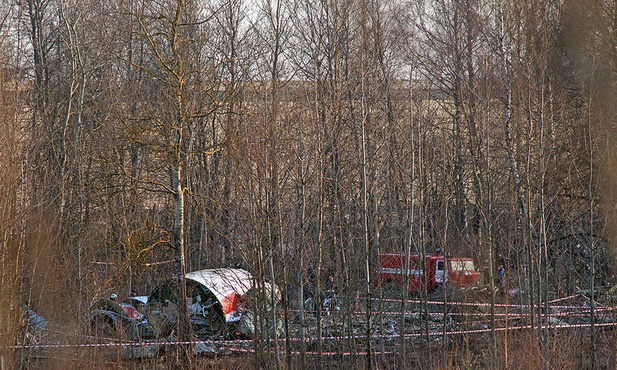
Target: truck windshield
[[462, 265]]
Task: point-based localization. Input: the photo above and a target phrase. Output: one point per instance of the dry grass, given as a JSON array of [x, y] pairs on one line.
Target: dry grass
[[525, 350]]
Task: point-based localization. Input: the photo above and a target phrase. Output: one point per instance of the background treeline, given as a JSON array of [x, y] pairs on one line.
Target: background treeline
[[141, 139]]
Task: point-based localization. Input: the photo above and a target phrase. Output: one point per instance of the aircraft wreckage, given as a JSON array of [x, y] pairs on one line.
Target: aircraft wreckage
[[222, 303]]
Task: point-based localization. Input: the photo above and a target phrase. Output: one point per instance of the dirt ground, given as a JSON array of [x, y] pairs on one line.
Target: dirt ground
[[460, 338], [525, 351]]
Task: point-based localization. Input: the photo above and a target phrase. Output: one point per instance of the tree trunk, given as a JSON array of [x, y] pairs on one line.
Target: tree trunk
[[184, 324]]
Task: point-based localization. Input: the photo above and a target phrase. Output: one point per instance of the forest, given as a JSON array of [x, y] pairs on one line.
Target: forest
[[299, 140]]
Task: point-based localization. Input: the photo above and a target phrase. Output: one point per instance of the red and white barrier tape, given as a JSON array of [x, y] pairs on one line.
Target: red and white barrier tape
[[385, 336], [573, 311], [479, 304]]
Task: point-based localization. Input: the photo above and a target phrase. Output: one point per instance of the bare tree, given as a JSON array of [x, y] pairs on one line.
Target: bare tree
[[292, 134], [12, 202], [184, 80]]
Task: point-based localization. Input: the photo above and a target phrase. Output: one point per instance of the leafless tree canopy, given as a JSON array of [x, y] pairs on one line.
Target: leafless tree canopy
[[143, 139]]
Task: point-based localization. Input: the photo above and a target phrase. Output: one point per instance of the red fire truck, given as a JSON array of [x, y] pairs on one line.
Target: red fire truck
[[438, 270]]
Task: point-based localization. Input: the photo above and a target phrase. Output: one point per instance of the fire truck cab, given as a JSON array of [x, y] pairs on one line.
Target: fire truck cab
[[437, 270]]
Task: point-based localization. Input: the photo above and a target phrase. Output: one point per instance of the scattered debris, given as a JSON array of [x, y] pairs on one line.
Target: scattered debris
[[111, 319], [221, 303], [139, 351], [33, 325], [201, 349], [229, 304]]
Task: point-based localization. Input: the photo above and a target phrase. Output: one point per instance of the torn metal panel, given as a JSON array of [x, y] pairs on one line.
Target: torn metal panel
[[137, 300], [110, 319], [229, 286], [218, 302], [35, 321]]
